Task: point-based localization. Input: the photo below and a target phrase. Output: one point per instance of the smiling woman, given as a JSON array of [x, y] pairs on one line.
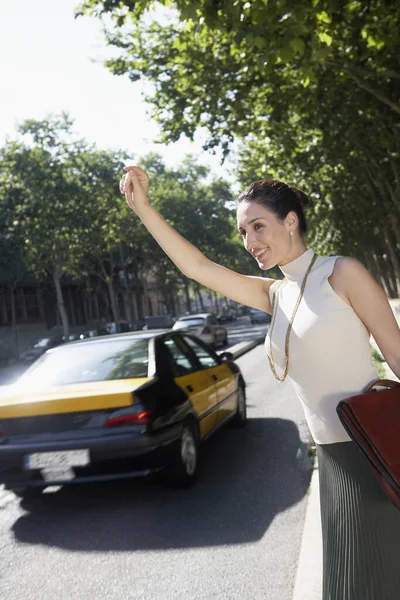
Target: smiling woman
[[264, 210], [323, 311]]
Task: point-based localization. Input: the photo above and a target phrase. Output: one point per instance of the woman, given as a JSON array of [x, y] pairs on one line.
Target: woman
[[323, 311]]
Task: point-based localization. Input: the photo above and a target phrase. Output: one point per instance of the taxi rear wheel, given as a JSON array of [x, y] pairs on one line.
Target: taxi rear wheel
[[184, 468], [28, 493], [240, 418]]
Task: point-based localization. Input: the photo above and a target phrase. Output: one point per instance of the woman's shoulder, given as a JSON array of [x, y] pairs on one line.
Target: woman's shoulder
[[336, 269], [341, 264], [343, 273], [338, 262]]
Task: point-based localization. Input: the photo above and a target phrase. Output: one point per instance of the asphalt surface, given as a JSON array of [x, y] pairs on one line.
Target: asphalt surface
[[242, 330], [235, 535]]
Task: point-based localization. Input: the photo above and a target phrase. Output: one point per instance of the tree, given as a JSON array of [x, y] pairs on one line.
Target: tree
[[202, 211], [222, 64], [51, 211], [98, 173], [311, 89]]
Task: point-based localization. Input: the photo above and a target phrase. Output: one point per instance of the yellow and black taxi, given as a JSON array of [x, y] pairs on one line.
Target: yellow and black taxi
[[115, 407]]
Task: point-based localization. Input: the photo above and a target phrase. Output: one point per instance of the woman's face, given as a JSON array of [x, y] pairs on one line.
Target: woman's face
[[264, 236]]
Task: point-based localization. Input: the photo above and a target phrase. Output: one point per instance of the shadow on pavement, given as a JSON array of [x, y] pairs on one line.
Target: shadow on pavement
[[247, 478]]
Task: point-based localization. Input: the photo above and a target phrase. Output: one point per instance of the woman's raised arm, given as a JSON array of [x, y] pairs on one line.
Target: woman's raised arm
[[248, 290]]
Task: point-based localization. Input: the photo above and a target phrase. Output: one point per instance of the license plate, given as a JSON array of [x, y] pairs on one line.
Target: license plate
[[51, 475], [57, 461]]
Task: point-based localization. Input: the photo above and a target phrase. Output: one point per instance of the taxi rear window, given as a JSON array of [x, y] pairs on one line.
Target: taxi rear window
[[92, 361]]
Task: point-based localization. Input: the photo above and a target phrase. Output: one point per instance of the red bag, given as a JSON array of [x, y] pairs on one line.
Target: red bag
[[372, 420]]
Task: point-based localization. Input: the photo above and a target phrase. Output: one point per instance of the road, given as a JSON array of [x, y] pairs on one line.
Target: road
[[242, 330], [235, 535]]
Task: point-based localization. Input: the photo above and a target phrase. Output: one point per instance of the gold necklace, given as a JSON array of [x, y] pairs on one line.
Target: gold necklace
[[289, 329]]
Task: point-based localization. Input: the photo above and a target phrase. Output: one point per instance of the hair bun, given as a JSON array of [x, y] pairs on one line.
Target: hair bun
[[301, 197]]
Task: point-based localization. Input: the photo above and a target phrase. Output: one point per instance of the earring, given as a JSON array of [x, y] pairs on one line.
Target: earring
[[290, 232]]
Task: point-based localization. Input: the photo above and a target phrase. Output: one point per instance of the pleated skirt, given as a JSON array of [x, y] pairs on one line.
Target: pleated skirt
[[360, 528]]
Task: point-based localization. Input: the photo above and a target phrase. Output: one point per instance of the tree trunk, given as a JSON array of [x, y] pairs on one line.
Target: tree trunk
[[168, 298], [174, 300], [113, 303], [39, 297], [199, 296], [134, 306], [72, 307], [60, 304], [96, 306], [396, 233], [139, 294], [187, 296], [383, 263], [147, 308], [127, 292], [128, 305], [216, 302], [87, 307], [388, 267], [20, 292], [14, 321], [375, 270], [392, 251]]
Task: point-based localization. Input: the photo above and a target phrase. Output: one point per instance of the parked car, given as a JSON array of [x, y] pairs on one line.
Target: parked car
[[40, 347], [116, 406], [73, 337], [227, 316], [206, 327], [259, 316], [242, 310], [7, 357], [116, 327], [88, 333], [159, 322]]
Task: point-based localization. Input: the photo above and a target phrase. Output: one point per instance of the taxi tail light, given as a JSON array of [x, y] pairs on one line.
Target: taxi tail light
[[3, 434], [141, 417], [206, 330]]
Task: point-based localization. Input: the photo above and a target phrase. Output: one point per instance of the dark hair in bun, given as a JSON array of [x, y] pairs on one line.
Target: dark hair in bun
[[301, 196], [279, 198]]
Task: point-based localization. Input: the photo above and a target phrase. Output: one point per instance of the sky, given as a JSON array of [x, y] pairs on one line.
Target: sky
[[51, 62]]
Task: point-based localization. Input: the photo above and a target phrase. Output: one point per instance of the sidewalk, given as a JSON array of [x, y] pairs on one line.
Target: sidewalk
[[308, 584]]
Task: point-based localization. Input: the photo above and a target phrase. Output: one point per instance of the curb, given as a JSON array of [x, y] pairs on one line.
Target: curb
[[308, 583], [243, 347]]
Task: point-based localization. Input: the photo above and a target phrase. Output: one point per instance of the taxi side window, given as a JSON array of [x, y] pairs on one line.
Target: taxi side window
[[180, 362], [204, 357]]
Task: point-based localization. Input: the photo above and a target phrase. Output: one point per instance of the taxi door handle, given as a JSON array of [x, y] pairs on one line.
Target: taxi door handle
[[214, 377], [190, 388]]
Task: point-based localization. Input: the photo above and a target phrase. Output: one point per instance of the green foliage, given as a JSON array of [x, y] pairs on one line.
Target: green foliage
[[223, 65], [378, 361], [62, 213], [310, 88]]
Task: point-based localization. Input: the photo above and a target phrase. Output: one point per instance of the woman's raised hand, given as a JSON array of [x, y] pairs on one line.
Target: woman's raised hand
[[135, 184]]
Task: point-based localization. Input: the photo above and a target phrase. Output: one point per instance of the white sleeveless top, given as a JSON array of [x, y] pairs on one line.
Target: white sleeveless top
[[329, 351]]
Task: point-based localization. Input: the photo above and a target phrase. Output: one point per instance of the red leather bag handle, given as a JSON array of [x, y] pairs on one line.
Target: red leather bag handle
[[388, 383]]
